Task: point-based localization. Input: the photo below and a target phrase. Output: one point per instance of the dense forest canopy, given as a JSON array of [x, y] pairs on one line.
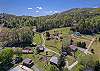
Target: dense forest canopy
[[16, 37], [83, 20]]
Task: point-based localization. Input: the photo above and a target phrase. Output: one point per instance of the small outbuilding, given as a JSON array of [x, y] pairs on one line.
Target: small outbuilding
[[40, 48], [64, 53], [28, 62], [54, 60]]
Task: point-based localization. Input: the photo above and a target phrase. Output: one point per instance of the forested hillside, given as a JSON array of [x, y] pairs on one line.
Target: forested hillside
[[84, 20]]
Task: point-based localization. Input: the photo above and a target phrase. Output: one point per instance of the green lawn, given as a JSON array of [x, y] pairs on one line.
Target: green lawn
[[70, 60], [96, 47], [37, 38], [79, 54], [54, 45], [64, 31]]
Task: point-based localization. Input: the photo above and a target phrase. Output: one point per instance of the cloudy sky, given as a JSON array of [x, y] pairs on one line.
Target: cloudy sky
[[44, 7]]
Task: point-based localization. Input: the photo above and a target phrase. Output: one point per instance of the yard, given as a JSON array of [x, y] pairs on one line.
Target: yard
[[40, 60]]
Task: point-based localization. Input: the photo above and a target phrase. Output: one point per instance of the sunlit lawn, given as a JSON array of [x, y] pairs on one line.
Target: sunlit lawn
[[54, 44], [37, 38], [96, 47]]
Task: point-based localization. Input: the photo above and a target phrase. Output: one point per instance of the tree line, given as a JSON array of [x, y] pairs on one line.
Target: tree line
[[83, 20]]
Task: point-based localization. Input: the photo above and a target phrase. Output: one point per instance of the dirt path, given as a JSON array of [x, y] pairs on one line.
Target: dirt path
[[87, 50], [71, 66]]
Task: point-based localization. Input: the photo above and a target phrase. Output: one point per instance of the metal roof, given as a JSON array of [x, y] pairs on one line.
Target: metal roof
[[54, 59]]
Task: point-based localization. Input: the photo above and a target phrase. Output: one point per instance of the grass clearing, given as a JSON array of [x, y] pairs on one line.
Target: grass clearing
[[70, 60], [96, 47], [54, 44], [37, 38], [79, 54]]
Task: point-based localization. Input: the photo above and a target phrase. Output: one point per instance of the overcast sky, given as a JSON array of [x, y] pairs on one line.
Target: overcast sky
[[44, 7]]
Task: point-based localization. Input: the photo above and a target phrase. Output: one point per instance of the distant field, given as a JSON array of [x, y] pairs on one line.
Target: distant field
[[67, 36], [64, 31], [57, 44]]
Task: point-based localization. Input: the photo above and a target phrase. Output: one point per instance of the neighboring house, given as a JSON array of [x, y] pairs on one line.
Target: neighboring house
[[28, 62], [27, 51], [40, 48], [54, 60], [20, 68], [73, 47]]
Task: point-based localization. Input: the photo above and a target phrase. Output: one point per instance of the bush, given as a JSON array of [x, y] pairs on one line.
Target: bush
[[81, 44]]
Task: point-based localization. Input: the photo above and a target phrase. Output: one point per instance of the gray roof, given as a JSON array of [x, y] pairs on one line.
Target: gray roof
[[54, 60], [40, 47], [64, 53], [27, 60], [73, 47]]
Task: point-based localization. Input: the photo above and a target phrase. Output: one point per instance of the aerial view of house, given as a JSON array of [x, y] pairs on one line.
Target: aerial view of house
[[49, 35]]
